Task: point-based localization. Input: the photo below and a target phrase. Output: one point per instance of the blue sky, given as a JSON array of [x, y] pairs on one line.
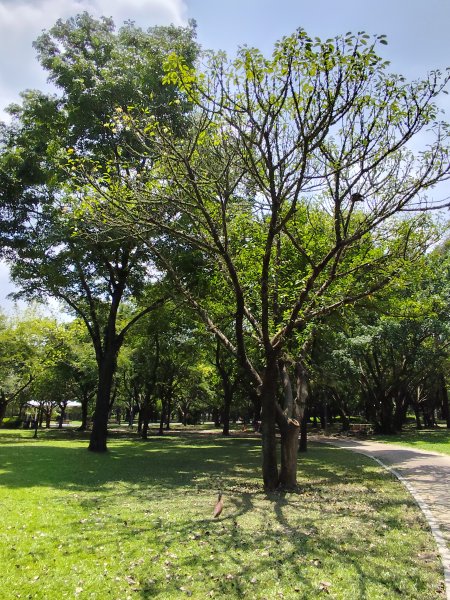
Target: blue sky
[[418, 32]]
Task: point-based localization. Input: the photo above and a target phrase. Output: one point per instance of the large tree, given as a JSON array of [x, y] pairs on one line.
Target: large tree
[[289, 185], [57, 249]]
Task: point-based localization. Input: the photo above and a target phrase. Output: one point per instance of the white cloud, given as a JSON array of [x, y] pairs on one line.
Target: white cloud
[[21, 21]]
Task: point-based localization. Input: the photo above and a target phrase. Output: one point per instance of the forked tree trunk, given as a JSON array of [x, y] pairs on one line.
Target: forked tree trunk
[[290, 421]]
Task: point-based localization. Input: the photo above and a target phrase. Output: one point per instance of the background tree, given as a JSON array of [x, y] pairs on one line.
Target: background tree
[[29, 345]]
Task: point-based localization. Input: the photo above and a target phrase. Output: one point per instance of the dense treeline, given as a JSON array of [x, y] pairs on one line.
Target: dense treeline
[[229, 235], [381, 362]]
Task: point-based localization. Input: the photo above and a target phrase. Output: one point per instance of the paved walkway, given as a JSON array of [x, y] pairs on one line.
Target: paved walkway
[[427, 477]]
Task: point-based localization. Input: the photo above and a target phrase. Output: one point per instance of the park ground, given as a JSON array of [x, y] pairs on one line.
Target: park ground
[[136, 523]]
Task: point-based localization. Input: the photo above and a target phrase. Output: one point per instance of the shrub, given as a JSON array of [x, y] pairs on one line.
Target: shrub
[[11, 423]]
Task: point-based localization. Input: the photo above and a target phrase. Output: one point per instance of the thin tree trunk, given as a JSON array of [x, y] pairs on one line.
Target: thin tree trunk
[[227, 399], [445, 403], [168, 412], [303, 444], [162, 419], [3, 406], [84, 414]]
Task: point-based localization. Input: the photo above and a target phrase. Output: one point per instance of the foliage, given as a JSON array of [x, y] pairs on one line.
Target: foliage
[[58, 249]]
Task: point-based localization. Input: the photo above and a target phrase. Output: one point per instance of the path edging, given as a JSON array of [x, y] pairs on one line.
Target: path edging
[[433, 524]]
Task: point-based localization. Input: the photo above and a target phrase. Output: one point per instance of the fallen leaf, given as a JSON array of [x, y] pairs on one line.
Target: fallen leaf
[[324, 585]]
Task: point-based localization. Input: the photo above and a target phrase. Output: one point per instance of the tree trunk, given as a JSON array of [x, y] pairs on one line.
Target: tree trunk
[[99, 432], [3, 406], [417, 415], [444, 398], [289, 451], [145, 414], [303, 445], [227, 399], [162, 419], [84, 414], [168, 412], [293, 413], [268, 417]]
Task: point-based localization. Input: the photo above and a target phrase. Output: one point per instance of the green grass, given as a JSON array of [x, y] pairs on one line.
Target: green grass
[[136, 523], [437, 440]]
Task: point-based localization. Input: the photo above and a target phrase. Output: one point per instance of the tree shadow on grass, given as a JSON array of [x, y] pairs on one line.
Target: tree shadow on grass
[[161, 462], [295, 538]]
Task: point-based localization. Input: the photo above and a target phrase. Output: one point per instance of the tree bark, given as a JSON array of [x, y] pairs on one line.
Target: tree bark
[[268, 415], [107, 368], [444, 398], [227, 399], [162, 419], [303, 444], [294, 410], [84, 414], [289, 450], [3, 406], [168, 412]]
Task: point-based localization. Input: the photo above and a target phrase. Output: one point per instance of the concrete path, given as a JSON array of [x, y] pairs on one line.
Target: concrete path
[[425, 474]]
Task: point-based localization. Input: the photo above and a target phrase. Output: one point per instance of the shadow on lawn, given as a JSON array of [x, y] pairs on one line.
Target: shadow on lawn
[[290, 543], [161, 462], [61, 459]]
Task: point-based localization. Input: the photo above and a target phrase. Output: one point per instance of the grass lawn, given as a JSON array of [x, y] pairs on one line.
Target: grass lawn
[[437, 440], [137, 523]]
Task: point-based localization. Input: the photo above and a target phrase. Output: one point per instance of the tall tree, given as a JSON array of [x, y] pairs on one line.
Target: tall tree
[[58, 250], [288, 185]]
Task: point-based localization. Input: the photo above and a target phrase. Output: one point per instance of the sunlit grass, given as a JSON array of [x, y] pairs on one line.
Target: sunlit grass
[[436, 440], [137, 523]]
